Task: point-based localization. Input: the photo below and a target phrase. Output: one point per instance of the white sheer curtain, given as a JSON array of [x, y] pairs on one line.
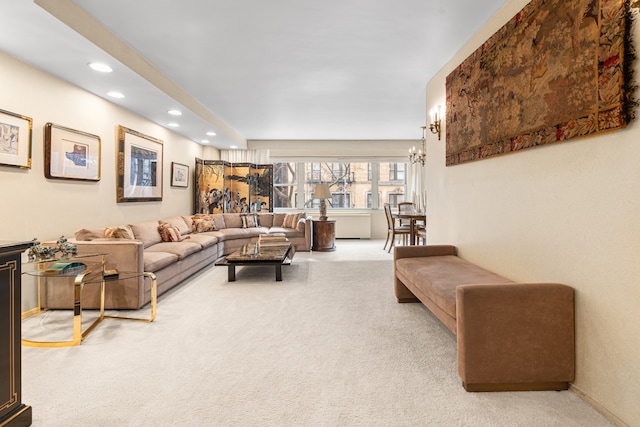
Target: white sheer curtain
[[258, 157], [416, 187]]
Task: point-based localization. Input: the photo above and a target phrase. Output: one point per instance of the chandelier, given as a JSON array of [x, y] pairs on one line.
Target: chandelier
[[420, 155]]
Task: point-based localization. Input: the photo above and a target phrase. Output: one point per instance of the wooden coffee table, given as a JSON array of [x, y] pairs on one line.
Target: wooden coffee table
[[255, 254]]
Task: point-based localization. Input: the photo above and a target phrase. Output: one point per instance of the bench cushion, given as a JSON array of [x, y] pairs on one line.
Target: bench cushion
[[438, 277]]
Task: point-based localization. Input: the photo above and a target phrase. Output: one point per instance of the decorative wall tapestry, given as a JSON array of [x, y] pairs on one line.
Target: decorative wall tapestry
[[233, 187], [559, 69]]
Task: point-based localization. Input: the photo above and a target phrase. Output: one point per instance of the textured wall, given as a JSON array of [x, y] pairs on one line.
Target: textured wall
[[566, 213]]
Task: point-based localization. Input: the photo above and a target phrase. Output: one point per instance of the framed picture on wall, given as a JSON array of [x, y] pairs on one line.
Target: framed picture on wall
[[179, 175], [139, 173], [71, 154], [15, 140]]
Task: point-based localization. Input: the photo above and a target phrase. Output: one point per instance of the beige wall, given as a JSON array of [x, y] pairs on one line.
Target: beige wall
[[566, 213], [34, 206]]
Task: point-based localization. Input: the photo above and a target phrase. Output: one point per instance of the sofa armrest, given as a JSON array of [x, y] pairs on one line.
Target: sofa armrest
[[122, 254], [422, 251], [308, 232], [517, 336]]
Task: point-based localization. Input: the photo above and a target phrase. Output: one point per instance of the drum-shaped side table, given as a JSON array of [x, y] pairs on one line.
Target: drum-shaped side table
[[324, 235]]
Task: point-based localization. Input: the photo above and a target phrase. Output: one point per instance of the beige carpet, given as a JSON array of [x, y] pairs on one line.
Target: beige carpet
[[327, 346]]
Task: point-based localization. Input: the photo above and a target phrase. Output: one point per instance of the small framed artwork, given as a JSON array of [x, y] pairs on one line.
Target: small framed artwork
[[15, 140], [71, 154], [179, 175], [139, 173]]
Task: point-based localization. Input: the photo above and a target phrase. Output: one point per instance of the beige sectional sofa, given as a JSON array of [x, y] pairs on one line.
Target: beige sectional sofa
[[139, 247], [510, 336]]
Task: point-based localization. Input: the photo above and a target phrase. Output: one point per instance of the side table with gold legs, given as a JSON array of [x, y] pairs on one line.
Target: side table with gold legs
[[94, 274]]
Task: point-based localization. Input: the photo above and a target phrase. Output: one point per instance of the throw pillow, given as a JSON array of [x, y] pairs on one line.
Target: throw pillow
[[291, 220], [202, 223], [249, 220], [169, 233], [87, 234], [118, 233], [178, 222]]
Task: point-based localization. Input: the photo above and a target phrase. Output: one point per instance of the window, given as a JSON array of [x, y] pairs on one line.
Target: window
[[341, 200], [284, 185], [316, 172], [352, 184], [395, 198], [396, 171], [349, 182]]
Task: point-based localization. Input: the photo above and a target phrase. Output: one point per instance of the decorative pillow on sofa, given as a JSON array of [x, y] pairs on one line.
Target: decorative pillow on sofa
[[291, 220], [202, 223], [88, 234], [170, 233], [120, 232], [249, 220], [178, 222]]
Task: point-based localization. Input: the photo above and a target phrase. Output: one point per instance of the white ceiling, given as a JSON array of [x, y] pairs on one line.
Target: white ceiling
[[253, 69]]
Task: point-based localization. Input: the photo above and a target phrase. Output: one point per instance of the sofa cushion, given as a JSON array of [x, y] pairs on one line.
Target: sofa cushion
[[237, 233], [249, 220], [87, 234], [181, 249], [265, 220], [187, 220], [147, 232], [179, 223], [232, 220], [203, 239], [170, 233], [289, 232], [218, 220], [278, 218], [154, 261]]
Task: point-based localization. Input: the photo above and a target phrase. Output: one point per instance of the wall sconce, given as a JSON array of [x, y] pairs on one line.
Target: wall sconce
[[435, 116], [322, 192], [420, 155]]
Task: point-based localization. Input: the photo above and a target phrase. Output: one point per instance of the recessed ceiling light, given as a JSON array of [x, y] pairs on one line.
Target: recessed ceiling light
[[211, 133], [173, 125], [205, 141], [103, 68], [175, 112], [233, 146], [116, 94]]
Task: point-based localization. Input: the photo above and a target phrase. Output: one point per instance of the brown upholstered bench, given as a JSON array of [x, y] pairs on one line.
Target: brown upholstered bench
[[510, 336]]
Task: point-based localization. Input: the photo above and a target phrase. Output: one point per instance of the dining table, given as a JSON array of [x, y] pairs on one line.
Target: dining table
[[413, 217]]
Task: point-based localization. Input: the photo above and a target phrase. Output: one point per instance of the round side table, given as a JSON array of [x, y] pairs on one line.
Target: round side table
[[324, 235]]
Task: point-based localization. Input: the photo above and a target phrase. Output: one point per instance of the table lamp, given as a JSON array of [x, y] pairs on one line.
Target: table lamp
[[322, 192]]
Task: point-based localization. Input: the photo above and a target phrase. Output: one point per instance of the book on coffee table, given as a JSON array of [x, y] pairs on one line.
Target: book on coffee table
[[268, 240]]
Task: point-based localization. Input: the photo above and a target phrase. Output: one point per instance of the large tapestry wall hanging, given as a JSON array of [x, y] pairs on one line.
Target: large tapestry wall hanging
[[559, 69], [233, 187]]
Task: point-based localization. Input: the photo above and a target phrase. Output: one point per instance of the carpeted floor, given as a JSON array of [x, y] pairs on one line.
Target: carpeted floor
[[327, 346]]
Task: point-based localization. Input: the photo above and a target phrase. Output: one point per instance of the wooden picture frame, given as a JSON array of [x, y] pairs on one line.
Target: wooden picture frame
[[179, 175], [139, 173], [71, 154], [15, 140]]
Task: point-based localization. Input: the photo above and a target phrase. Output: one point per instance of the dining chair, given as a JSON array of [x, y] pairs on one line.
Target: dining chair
[[406, 207], [394, 230]]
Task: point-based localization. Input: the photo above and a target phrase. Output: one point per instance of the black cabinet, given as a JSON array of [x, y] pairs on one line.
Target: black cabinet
[[13, 413]]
